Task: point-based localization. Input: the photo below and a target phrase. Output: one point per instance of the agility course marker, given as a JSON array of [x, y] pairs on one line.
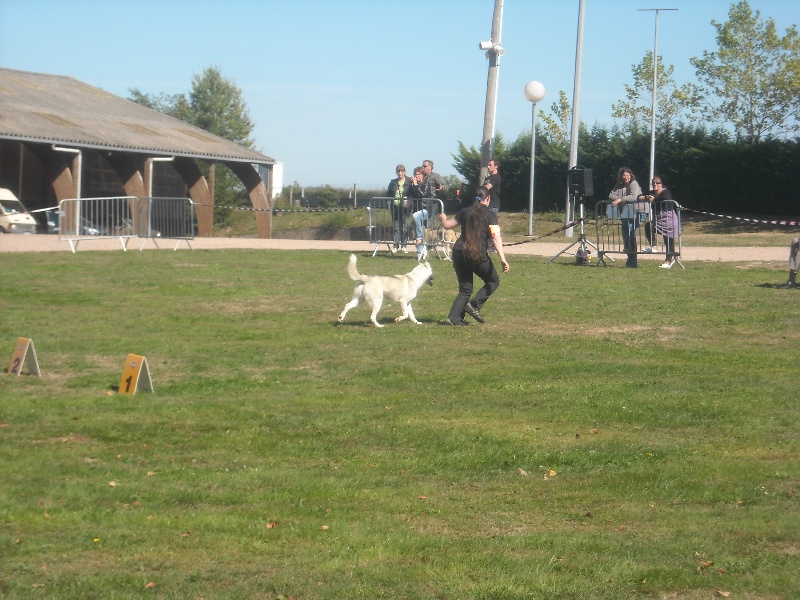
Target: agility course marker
[[135, 369], [21, 358]]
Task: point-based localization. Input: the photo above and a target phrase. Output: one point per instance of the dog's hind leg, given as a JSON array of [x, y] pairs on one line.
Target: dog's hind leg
[[353, 303], [376, 306]]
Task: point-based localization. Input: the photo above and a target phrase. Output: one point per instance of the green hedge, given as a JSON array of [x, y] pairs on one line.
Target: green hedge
[[705, 170]]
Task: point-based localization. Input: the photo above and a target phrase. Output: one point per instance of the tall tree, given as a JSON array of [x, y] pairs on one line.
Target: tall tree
[[557, 126], [214, 104], [169, 104], [674, 103], [753, 80]]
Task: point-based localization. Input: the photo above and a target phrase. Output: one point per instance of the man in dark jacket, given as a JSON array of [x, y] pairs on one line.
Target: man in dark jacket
[[493, 183]]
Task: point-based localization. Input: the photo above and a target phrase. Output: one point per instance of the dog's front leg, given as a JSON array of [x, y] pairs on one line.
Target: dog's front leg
[[404, 316], [408, 313]]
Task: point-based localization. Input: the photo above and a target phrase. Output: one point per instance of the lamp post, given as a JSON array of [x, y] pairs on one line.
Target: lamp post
[[655, 92], [534, 92]]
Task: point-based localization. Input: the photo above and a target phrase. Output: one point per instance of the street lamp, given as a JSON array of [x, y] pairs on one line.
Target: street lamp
[[534, 92], [655, 92]]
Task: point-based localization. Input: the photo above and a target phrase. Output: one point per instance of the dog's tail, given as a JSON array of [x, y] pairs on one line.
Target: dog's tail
[[352, 271]]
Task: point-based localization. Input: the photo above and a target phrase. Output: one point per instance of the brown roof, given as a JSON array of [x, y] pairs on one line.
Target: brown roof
[[55, 109]]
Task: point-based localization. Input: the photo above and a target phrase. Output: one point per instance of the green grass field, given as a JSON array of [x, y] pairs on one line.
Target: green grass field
[[608, 433]]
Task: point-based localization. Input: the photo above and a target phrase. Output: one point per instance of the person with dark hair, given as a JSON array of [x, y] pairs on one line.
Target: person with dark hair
[[399, 191], [665, 219], [794, 259], [471, 257], [417, 183], [632, 213]]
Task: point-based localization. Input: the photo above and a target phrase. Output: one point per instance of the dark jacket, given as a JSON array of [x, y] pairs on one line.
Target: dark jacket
[[394, 184]]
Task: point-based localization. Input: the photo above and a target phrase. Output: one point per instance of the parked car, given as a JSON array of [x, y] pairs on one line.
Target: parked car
[[46, 220], [14, 217], [126, 229], [89, 228]]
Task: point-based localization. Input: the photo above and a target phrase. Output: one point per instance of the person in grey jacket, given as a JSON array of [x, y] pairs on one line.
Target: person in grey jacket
[[623, 197], [433, 186]]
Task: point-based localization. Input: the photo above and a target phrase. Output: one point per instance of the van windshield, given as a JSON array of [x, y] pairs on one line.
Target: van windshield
[[11, 207]]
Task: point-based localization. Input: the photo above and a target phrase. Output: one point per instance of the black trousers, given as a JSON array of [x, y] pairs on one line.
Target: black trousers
[[465, 271]]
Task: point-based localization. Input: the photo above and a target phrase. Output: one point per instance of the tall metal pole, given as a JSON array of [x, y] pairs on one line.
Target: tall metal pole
[[534, 92], [653, 111], [533, 166], [493, 54], [655, 94], [576, 107]]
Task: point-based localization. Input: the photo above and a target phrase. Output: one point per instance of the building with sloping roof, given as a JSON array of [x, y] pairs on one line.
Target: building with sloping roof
[[61, 138]]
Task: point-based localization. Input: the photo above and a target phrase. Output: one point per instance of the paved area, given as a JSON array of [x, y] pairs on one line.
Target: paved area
[[51, 243]]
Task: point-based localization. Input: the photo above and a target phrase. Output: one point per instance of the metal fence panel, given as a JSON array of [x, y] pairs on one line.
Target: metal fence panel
[[391, 222], [125, 217], [656, 229], [169, 218]]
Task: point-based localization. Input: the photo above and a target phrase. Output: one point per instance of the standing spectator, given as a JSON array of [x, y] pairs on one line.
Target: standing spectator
[[399, 191], [493, 183], [793, 261], [432, 186], [471, 257], [625, 192], [665, 219]]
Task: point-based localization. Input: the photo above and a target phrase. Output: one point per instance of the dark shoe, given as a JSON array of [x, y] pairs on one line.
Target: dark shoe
[[449, 322], [473, 312], [792, 283]]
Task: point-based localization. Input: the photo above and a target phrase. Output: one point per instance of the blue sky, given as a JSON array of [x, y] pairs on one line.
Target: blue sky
[[340, 91]]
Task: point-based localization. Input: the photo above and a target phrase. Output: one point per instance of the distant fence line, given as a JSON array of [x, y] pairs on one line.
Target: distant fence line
[[287, 210]]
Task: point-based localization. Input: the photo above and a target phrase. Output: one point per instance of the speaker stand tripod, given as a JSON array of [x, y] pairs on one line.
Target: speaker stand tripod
[[581, 241]]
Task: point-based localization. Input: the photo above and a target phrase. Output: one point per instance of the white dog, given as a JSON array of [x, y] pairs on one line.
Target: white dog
[[399, 288]]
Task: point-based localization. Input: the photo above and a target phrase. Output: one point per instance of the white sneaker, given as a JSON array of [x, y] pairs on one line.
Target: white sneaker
[[666, 265], [393, 251], [424, 254]]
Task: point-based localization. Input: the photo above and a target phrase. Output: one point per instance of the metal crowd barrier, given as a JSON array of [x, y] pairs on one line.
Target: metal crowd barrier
[[124, 218], [391, 223], [658, 229]]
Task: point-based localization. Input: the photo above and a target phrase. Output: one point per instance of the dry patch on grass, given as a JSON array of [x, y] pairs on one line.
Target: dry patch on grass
[[621, 331], [64, 439]]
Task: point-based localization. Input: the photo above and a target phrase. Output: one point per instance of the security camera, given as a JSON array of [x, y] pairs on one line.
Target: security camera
[[485, 45]]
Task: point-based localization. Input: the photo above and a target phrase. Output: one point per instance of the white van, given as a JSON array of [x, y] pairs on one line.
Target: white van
[[14, 217]]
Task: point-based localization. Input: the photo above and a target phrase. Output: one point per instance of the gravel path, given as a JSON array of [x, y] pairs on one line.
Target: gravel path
[[51, 243]]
